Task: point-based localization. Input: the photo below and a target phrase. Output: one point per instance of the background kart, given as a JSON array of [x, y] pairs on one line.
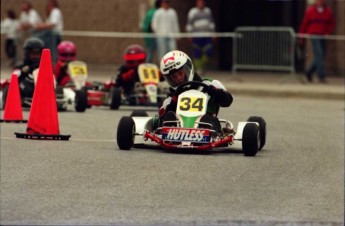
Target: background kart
[[26, 101], [72, 95], [191, 127], [149, 91]]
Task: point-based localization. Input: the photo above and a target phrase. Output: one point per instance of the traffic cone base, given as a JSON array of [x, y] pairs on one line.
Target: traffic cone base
[[42, 136], [15, 121], [43, 123]]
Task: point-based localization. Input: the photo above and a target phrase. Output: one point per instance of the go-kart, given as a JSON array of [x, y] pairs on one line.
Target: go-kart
[[190, 127], [149, 91], [65, 96]]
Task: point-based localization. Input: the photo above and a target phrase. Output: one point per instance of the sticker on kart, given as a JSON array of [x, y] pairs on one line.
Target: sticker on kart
[[78, 73], [185, 135], [148, 73], [191, 103]]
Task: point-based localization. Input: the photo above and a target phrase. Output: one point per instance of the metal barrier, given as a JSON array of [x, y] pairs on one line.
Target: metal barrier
[[264, 48]]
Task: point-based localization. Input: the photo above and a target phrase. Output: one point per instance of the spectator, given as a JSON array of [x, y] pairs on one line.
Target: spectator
[[318, 20], [150, 43], [200, 20], [10, 26], [165, 22], [29, 18], [50, 31]]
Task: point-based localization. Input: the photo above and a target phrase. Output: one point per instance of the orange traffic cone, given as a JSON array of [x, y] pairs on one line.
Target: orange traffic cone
[[43, 119], [13, 106]]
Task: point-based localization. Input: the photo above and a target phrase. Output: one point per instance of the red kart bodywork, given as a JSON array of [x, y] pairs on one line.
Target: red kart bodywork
[[206, 145]]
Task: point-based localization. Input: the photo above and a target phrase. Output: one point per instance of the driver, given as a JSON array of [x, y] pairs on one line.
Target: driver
[[32, 55], [127, 74], [177, 68], [67, 52]]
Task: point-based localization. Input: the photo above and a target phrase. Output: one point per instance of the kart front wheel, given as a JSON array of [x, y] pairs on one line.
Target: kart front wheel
[[250, 139], [115, 98], [80, 101], [263, 130], [125, 133]]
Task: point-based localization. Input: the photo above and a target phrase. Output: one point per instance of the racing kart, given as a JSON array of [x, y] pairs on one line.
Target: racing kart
[[149, 91], [190, 127], [65, 96]]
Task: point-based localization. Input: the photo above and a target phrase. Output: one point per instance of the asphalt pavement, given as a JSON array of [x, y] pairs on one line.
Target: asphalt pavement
[[247, 82]]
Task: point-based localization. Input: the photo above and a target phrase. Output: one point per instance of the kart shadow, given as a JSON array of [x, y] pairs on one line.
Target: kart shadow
[[189, 151]]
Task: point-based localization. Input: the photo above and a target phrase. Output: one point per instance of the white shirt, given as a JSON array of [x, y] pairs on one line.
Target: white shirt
[[55, 17], [200, 20], [165, 21], [31, 17], [10, 28]]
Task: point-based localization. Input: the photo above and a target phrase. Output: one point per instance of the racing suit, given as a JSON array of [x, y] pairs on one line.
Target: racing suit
[[219, 97], [61, 73], [126, 77], [26, 79]]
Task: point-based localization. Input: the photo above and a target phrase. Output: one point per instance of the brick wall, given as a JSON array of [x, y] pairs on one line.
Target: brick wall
[[124, 15]]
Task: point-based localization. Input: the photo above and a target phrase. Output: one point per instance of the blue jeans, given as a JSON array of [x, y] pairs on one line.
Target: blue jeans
[[319, 50], [165, 45]]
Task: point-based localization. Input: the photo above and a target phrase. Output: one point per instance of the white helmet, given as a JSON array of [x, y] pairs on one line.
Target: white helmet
[[173, 62]]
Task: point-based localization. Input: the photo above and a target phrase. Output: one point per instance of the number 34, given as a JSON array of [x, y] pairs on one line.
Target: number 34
[[191, 104]]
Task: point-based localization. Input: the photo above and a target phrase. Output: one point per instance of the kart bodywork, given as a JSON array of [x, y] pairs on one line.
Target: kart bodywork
[[149, 91], [191, 128]]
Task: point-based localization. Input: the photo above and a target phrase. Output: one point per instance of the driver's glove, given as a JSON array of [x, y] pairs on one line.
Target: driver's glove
[[128, 76], [214, 92]]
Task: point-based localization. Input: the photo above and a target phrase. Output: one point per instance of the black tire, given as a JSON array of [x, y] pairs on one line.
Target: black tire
[[115, 98], [139, 113], [4, 96], [80, 101], [125, 133], [250, 139], [263, 129]]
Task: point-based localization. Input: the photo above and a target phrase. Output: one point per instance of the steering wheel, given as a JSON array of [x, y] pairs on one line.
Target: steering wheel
[[192, 85]]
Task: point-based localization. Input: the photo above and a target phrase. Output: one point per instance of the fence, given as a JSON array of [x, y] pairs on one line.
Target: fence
[[264, 48]]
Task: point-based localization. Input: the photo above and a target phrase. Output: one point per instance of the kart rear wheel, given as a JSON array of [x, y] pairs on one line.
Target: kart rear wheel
[[115, 98], [250, 139], [80, 101], [125, 133], [139, 113], [263, 129], [4, 97]]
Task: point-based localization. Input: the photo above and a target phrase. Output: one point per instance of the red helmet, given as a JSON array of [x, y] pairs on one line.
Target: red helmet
[[134, 55], [67, 51]]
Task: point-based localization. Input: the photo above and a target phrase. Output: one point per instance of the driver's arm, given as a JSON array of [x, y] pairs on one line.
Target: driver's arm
[[221, 95]]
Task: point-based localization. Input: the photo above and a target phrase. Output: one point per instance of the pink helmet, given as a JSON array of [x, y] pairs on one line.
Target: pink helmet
[[67, 51]]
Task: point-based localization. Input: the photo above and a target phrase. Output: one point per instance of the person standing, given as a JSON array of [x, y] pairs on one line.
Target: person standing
[[150, 43], [50, 31], [165, 22], [29, 18], [200, 19], [10, 25], [318, 20]]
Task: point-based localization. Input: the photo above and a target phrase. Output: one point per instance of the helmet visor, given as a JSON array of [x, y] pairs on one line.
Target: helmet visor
[[178, 76]]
